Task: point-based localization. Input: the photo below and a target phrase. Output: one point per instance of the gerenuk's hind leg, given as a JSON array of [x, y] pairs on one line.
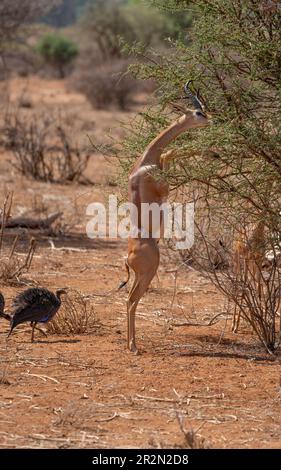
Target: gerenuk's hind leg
[[138, 290], [143, 259]]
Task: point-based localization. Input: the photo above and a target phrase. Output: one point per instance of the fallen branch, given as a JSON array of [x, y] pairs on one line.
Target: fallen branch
[[67, 248], [213, 321], [42, 377], [29, 222], [115, 415]]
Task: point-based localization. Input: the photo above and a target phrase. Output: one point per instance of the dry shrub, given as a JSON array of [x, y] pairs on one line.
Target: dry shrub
[[13, 265], [243, 275], [230, 249], [70, 415], [107, 84], [192, 440], [77, 415], [21, 61], [4, 377], [76, 316], [257, 301], [43, 150]]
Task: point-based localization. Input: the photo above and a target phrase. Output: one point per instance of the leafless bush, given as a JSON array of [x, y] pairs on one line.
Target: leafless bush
[[43, 149], [13, 265], [21, 61], [107, 84], [246, 278], [232, 244], [70, 415], [192, 440], [76, 316]]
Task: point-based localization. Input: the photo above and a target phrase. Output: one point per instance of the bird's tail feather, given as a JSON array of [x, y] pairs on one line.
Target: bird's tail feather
[[5, 315], [13, 324], [123, 283], [2, 303], [11, 329]]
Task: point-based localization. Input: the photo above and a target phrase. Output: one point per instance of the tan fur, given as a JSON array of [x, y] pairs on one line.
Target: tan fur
[[143, 253]]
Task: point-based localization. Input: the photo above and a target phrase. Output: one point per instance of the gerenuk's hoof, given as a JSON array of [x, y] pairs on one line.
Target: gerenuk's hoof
[[133, 348]]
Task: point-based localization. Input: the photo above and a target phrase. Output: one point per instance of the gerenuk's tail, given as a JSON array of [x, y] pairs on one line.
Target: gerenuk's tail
[[128, 275]]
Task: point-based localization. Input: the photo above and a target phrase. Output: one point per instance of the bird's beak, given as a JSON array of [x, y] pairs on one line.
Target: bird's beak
[[63, 290]]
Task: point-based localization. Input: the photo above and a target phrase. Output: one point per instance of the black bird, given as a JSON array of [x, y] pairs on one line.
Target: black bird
[[37, 305]]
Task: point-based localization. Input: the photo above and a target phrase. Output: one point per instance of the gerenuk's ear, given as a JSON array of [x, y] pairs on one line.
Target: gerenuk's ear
[[178, 107]]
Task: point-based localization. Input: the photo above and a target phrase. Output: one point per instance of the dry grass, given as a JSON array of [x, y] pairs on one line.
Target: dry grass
[[76, 316], [70, 415], [13, 265], [4, 377], [192, 440]]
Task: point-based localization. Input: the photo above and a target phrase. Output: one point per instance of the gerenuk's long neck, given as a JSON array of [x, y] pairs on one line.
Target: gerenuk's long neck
[[154, 150]]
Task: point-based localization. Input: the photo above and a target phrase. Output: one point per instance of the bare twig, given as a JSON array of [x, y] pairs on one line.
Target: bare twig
[[210, 323]]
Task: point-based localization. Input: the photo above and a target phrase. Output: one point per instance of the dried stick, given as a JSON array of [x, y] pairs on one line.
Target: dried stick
[[6, 212], [210, 323]]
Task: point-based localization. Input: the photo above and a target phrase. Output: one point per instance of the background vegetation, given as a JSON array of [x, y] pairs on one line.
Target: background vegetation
[[57, 51], [44, 37]]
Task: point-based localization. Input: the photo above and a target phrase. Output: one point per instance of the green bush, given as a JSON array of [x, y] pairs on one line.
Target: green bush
[[232, 168], [234, 57], [57, 51]]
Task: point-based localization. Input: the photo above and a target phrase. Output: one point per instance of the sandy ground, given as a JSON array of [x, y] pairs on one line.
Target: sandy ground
[[88, 390]]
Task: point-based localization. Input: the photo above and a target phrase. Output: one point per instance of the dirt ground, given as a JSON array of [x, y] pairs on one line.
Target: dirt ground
[[88, 390]]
